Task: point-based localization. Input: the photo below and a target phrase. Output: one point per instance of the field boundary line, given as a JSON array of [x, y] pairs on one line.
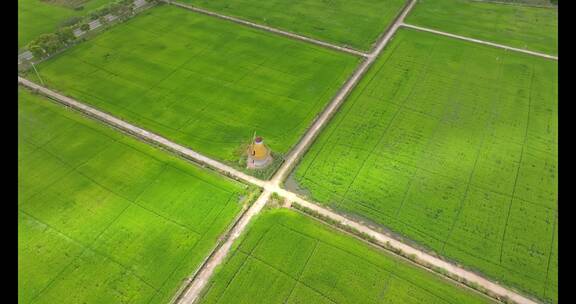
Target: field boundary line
[[516, 4], [268, 29], [387, 241], [314, 130], [193, 289], [550, 254], [520, 162], [393, 271], [485, 130], [433, 31], [142, 134]]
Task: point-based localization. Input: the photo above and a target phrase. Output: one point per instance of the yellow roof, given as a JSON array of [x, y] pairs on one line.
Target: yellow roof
[[259, 151]]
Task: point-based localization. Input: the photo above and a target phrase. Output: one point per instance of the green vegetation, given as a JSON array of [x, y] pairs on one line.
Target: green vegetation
[[104, 218], [36, 17], [454, 145], [547, 3], [285, 257], [524, 27], [356, 24], [203, 82]]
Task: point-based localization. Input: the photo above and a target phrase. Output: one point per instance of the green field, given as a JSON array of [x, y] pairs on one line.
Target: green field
[[356, 24], [285, 257], [104, 218], [454, 145], [524, 27], [203, 82], [36, 17]]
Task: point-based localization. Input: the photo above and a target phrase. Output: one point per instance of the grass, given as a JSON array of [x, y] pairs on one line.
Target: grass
[[356, 24], [36, 17], [454, 145], [547, 3], [104, 218], [285, 257], [524, 27], [203, 82]]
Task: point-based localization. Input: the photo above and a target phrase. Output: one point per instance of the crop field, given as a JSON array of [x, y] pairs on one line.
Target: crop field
[[454, 145], [356, 24], [519, 26], [547, 3], [285, 257], [203, 82], [104, 218], [36, 17]]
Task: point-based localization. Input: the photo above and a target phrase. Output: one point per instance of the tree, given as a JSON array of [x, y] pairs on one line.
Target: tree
[[65, 35], [36, 50], [46, 44]]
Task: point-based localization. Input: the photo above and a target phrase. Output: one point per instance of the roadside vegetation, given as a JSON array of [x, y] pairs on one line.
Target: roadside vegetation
[[104, 218], [37, 17], [453, 145], [285, 257]]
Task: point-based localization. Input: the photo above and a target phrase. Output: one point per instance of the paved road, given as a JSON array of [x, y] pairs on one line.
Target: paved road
[[480, 41], [269, 29]]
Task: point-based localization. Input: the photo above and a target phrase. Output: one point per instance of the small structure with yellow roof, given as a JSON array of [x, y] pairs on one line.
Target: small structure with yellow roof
[[258, 155]]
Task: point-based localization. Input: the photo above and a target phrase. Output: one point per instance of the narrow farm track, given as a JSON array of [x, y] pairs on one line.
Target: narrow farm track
[[269, 29], [480, 41], [194, 288], [304, 143], [203, 277], [142, 134], [384, 239]]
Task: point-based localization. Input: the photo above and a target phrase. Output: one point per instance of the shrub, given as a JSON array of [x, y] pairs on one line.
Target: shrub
[[49, 43], [65, 35]]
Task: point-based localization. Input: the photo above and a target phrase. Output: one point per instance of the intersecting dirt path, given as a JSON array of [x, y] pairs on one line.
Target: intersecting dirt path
[[204, 273]]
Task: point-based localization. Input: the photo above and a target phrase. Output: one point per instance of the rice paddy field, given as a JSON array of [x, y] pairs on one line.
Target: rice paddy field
[[453, 145], [519, 26], [104, 218], [285, 257], [36, 17], [356, 24], [200, 81]]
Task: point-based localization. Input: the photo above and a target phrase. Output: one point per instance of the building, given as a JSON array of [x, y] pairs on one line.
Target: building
[[258, 155]]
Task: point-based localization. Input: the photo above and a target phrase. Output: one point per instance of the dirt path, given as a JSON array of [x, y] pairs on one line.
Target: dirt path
[[304, 143], [384, 239], [143, 134], [269, 29], [206, 270], [202, 277], [480, 41]]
